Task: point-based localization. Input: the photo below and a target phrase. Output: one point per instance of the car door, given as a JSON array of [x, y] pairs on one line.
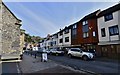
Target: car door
[[75, 52], [78, 54]]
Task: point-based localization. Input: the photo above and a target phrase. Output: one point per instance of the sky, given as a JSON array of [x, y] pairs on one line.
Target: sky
[[42, 18]]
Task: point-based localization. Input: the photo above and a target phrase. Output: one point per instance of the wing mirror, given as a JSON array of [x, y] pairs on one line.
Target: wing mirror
[[80, 51]]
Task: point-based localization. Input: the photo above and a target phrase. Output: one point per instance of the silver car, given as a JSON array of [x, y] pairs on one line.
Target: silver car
[[78, 52]]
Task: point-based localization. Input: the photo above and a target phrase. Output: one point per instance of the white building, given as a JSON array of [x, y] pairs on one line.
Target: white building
[[55, 40], [109, 30], [64, 37], [60, 38], [67, 37]]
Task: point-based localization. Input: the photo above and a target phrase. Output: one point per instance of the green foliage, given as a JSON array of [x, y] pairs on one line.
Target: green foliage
[[32, 39]]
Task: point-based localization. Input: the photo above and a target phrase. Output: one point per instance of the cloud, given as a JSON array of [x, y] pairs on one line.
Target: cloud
[[39, 22]]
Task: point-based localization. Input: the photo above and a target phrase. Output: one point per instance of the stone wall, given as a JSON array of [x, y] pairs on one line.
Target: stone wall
[[10, 32], [0, 27], [22, 37]]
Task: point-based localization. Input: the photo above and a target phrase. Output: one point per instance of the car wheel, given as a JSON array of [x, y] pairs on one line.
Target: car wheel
[[85, 58], [50, 53], [56, 54], [69, 55]]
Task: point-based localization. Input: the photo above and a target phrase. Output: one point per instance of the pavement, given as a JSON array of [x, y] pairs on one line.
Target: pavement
[[29, 65]]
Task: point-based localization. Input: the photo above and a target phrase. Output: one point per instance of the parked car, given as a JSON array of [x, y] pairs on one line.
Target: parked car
[[41, 50], [47, 51], [78, 52], [92, 51], [56, 51]]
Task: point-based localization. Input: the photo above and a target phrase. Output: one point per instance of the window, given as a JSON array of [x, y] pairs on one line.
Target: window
[[61, 40], [55, 36], [66, 39], [85, 23], [54, 42], [61, 33], [85, 29], [77, 50], [66, 31], [85, 34], [74, 31], [75, 26], [103, 32], [94, 34], [114, 30], [108, 17]]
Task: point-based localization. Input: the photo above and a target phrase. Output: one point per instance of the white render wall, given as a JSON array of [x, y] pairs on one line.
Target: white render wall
[[55, 39], [63, 36], [106, 25], [67, 35], [59, 37]]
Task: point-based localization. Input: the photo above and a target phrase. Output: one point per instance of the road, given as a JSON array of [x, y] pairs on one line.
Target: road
[[10, 67], [92, 66]]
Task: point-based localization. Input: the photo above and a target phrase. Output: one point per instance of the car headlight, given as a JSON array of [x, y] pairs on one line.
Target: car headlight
[[91, 55]]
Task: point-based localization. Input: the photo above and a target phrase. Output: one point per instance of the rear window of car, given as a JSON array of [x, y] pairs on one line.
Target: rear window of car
[[77, 50]]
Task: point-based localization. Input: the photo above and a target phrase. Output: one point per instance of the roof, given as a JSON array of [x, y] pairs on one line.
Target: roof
[[92, 15], [110, 10], [11, 12]]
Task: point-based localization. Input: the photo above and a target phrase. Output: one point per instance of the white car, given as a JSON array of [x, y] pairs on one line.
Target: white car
[[78, 52], [56, 52]]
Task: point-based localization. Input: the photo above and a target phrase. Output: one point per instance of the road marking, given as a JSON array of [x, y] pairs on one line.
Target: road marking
[[18, 69], [88, 71]]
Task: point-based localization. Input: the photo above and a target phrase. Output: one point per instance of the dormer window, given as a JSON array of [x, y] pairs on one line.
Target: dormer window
[[75, 26], [61, 33], [66, 31], [85, 23], [108, 17]]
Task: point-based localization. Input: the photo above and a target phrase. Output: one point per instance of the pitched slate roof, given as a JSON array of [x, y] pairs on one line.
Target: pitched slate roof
[[109, 10], [92, 15]]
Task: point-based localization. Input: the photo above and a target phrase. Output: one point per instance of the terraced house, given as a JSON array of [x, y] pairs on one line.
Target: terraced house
[[99, 31], [55, 40], [88, 32], [85, 32], [64, 37], [109, 31]]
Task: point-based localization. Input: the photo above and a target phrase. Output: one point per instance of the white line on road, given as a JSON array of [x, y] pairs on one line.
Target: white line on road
[[18, 69]]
